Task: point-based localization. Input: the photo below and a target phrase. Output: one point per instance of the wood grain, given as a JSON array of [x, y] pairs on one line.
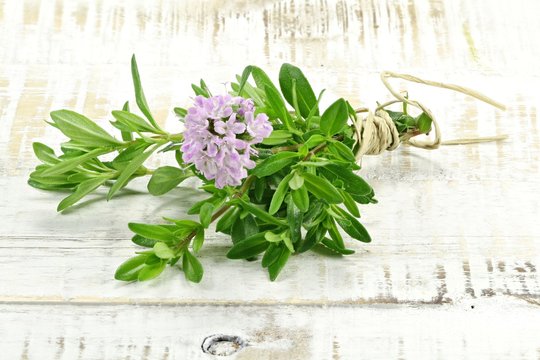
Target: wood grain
[[276, 332], [455, 228]]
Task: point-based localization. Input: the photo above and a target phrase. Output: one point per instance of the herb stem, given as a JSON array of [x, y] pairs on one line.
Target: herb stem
[[296, 146], [320, 147], [285, 148], [243, 189]]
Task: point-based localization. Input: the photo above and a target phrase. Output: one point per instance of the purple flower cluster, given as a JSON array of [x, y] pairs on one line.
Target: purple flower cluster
[[218, 135]]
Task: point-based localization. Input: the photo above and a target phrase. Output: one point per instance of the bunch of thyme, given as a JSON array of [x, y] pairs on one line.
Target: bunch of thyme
[[294, 188]]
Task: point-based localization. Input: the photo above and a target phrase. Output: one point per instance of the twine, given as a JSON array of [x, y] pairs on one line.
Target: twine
[[377, 132]]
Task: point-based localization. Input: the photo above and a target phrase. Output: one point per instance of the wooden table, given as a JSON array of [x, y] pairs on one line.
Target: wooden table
[[452, 271]]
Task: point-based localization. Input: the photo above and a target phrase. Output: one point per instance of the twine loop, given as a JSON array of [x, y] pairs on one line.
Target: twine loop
[[376, 132]]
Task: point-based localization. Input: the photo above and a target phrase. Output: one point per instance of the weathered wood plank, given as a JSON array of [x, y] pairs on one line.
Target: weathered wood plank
[[431, 245], [456, 227], [274, 332]]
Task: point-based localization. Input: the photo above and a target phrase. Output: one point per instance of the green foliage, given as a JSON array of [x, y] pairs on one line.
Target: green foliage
[[139, 93], [82, 130], [83, 189], [129, 269], [193, 269], [301, 194], [290, 75], [275, 163], [423, 122], [322, 188], [166, 178], [129, 172], [249, 247], [406, 123], [334, 118]]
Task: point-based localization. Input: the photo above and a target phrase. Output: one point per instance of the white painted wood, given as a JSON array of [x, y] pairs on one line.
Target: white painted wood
[[274, 332], [453, 252], [454, 228]]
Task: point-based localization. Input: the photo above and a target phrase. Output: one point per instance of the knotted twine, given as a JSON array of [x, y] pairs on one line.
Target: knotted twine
[[377, 132]]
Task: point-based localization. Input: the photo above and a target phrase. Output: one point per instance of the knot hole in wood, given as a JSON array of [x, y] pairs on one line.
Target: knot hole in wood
[[223, 345]]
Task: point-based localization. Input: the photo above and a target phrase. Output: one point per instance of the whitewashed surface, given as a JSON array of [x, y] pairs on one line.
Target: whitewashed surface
[[452, 271]]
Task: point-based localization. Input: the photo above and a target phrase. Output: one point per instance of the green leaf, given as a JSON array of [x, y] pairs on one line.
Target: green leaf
[[126, 135], [227, 220], [205, 88], [315, 212], [423, 123], [60, 179], [163, 251], [80, 177], [273, 96], [294, 219], [45, 153], [334, 233], [193, 269], [81, 129], [301, 198], [181, 112], [312, 238], [125, 157], [81, 191], [134, 122], [173, 261], [334, 118], [277, 137], [306, 99], [187, 225], [244, 79], [139, 93], [125, 175], [42, 186], [250, 92], [129, 269], [205, 215], [314, 140], [152, 259], [166, 178], [394, 115], [216, 199], [352, 183], [198, 240], [75, 147], [322, 188], [200, 91], [342, 151], [275, 268], [262, 80], [352, 226], [274, 163], [334, 247], [296, 182], [251, 246], [260, 188], [261, 214], [155, 232], [276, 103], [142, 241], [272, 253], [287, 241], [243, 228], [68, 164], [349, 203], [279, 195], [272, 237], [149, 272]]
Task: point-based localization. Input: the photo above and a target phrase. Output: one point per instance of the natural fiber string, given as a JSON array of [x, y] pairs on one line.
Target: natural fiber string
[[377, 132]]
